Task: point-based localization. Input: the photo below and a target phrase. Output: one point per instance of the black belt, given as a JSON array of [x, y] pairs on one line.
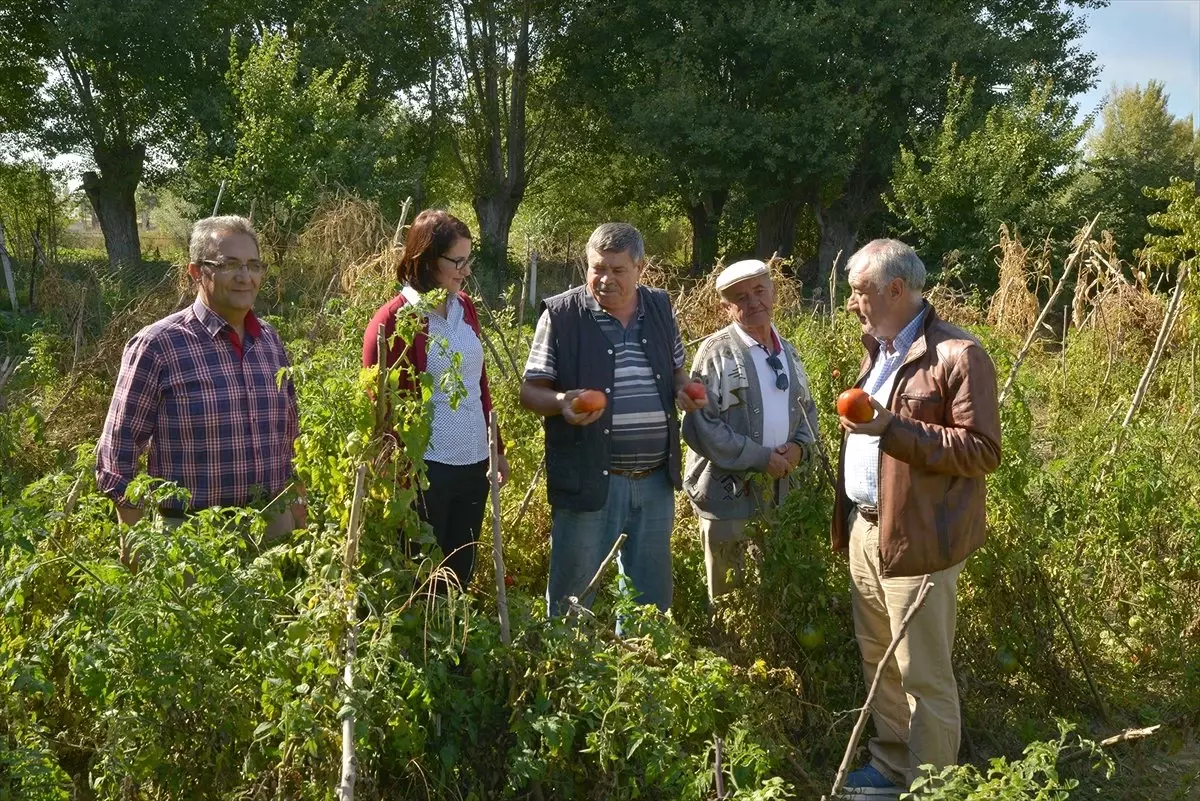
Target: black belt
[[634, 475], [868, 513]]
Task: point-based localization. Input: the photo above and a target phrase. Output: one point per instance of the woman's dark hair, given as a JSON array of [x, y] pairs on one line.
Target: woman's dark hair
[[432, 234]]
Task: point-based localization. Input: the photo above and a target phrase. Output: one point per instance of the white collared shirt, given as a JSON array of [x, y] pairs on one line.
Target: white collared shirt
[[459, 435], [862, 451], [776, 421]]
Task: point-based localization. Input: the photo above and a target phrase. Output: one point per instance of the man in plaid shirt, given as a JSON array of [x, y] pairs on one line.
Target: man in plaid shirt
[[198, 389]]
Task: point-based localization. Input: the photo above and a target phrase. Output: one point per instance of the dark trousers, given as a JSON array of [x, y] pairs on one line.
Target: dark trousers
[[453, 506]]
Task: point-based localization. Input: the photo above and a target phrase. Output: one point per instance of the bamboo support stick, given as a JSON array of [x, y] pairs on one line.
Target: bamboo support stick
[[220, 194], [497, 542], [1164, 334], [345, 790], [861, 723], [1072, 262]]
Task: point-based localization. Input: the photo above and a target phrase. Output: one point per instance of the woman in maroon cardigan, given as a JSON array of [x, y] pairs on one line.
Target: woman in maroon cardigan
[[437, 255]]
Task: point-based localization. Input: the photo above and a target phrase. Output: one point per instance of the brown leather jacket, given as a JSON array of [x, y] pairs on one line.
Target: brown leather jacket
[[934, 456]]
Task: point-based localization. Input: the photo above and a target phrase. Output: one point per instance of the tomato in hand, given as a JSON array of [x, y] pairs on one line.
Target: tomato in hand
[[855, 405]]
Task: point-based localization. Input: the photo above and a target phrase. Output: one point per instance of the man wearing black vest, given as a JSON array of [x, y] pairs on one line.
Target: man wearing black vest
[[616, 469]]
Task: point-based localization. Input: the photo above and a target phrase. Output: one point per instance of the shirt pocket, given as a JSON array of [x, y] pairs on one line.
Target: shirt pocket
[[927, 407]]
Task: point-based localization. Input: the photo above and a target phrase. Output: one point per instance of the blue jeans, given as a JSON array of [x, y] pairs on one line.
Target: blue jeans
[[642, 508]]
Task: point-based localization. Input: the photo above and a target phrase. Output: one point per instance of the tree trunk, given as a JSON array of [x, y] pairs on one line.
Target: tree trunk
[[776, 228], [705, 216], [495, 213], [839, 235], [111, 192]]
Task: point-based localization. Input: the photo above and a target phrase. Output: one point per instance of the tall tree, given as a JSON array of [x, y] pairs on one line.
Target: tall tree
[[1139, 144], [951, 192], [497, 144], [671, 78], [125, 81], [907, 50]]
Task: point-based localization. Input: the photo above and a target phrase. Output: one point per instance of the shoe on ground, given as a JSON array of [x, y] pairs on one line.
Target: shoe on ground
[[868, 784]]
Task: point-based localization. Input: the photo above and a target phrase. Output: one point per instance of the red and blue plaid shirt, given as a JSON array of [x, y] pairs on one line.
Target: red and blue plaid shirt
[[207, 406]]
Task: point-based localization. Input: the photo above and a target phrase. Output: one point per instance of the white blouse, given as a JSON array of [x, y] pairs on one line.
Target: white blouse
[[459, 435]]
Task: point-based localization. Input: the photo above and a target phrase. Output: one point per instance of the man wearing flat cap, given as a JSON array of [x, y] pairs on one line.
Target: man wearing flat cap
[[758, 425]]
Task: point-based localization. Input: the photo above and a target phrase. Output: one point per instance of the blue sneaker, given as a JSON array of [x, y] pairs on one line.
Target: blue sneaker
[[868, 784]]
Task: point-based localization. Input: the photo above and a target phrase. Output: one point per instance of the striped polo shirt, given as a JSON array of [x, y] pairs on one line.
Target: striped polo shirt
[[639, 434]]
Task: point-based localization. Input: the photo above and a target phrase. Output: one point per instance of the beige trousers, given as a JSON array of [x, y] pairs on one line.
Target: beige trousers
[[915, 712], [725, 544], [724, 554]]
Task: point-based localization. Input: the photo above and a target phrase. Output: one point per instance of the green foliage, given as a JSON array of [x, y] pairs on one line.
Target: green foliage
[[951, 194], [1140, 145], [1034, 777], [299, 136]]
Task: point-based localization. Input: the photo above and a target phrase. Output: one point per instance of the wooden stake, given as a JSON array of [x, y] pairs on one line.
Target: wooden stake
[[833, 287], [396, 241], [1129, 735], [718, 771], [345, 790], [861, 723], [220, 194], [1164, 334], [1072, 261], [612, 554], [521, 297], [497, 542]]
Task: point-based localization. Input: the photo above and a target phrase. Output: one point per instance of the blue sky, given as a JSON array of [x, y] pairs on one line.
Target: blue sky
[[1136, 41]]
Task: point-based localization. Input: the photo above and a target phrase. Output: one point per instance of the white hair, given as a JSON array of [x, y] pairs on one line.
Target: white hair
[[887, 259]]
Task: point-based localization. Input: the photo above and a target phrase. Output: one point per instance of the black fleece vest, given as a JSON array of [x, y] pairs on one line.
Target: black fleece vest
[[577, 456]]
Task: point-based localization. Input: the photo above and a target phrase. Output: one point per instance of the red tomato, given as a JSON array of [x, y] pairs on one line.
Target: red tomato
[[588, 401], [855, 406]]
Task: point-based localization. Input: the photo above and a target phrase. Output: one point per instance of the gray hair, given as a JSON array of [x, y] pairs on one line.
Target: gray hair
[[615, 237], [205, 233], [884, 260]]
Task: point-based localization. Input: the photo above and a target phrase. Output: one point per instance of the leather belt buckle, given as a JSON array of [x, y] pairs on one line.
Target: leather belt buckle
[[632, 475], [869, 513]]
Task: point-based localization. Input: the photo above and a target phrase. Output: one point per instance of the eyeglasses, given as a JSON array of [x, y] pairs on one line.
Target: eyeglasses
[[229, 266], [781, 379], [461, 263]]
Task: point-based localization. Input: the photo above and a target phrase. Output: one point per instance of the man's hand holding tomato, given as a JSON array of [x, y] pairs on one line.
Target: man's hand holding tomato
[[873, 427], [582, 407], [691, 396]]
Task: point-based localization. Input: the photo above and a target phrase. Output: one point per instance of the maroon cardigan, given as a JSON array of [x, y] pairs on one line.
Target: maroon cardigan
[[416, 353]]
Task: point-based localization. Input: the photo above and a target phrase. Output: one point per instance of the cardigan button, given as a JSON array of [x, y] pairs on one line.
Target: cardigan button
[[610, 351], [606, 431], [604, 472], [608, 390]]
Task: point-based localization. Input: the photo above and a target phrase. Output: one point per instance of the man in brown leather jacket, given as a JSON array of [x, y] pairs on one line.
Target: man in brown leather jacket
[[910, 503]]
